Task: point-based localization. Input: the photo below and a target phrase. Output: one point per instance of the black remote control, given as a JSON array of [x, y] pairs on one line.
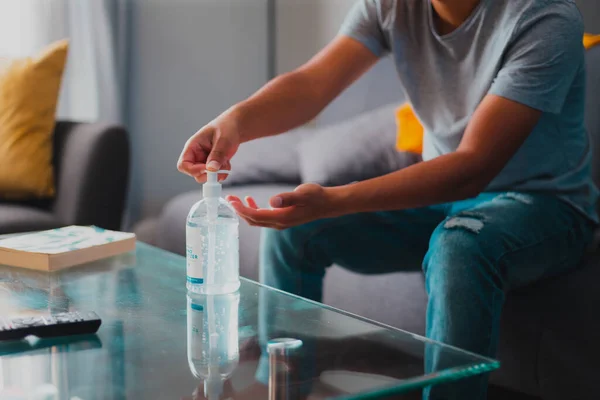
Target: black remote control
[[63, 324]]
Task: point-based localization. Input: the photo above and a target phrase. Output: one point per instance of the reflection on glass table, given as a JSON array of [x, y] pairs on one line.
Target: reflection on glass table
[[213, 339], [158, 342]]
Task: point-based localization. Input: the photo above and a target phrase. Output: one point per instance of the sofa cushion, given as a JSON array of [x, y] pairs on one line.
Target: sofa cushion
[[268, 160], [592, 105], [17, 218], [571, 329], [360, 148], [401, 291], [376, 88], [146, 231]]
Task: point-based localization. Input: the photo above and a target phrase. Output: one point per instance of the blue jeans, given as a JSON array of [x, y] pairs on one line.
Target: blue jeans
[[472, 252]]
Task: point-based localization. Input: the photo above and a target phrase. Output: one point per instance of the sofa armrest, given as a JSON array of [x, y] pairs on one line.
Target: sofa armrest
[[92, 170]]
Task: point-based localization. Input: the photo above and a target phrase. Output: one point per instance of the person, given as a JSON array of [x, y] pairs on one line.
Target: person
[[503, 196]]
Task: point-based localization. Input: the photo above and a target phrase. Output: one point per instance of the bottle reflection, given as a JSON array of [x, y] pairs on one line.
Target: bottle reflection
[[213, 339]]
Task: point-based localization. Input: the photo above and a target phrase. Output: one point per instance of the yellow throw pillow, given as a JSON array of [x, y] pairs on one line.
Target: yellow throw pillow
[[590, 40], [410, 131], [29, 89]]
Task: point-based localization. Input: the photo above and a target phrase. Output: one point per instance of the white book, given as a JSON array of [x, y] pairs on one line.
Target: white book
[[64, 247]]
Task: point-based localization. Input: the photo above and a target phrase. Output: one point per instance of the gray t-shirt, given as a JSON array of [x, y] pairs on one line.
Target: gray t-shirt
[[528, 51]]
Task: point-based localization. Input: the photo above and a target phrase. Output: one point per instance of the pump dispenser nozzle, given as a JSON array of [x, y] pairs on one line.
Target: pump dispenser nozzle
[[212, 187]]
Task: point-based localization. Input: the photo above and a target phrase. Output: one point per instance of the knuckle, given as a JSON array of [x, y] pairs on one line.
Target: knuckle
[[206, 129], [196, 146]]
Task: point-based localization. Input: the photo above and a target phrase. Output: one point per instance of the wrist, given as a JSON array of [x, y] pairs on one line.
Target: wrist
[[237, 114], [341, 200]]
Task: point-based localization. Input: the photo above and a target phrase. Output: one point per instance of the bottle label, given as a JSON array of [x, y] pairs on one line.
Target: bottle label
[[194, 262]]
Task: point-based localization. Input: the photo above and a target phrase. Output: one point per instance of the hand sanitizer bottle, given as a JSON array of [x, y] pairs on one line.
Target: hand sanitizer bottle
[[212, 242], [213, 339]]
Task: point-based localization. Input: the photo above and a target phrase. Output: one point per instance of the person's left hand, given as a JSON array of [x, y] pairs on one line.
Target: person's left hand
[[308, 202]]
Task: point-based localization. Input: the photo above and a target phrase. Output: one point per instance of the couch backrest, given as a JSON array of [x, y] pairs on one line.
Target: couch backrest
[[592, 107], [378, 87]]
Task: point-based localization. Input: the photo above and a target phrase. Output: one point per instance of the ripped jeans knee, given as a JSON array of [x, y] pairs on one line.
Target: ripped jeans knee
[[471, 221], [475, 220]]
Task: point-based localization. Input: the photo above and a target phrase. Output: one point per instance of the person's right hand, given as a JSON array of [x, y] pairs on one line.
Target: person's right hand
[[210, 148]]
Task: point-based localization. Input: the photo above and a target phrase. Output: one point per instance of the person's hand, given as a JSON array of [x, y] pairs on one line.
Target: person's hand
[[210, 148], [309, 202]]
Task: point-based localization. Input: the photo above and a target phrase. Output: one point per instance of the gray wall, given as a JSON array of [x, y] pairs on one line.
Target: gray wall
[[190, 60], [296, 42]]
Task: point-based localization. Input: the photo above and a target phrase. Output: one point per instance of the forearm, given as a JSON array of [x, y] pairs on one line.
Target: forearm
[[451, 177], [293, 99], [496, 131], [286, 102]]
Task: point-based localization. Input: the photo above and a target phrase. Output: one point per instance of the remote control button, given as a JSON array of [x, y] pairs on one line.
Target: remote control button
[[63, 318], [27, 322], [33, 321], [17, 323]]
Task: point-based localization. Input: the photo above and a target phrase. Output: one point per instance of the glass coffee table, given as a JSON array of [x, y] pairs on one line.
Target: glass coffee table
[[156, 342]]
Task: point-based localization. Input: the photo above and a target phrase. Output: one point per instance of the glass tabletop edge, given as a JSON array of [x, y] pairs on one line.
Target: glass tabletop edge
[[423, 381], [487, 360]]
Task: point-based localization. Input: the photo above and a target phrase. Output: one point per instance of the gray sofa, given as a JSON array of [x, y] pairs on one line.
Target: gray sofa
[[91, 174], [550, 338]]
